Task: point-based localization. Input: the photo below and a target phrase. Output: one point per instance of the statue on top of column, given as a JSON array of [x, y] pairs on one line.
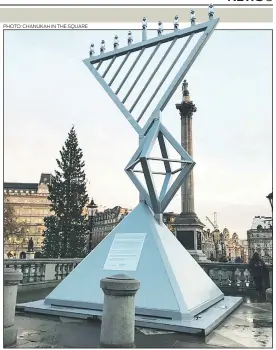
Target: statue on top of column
[[185, 91], [190, 107]]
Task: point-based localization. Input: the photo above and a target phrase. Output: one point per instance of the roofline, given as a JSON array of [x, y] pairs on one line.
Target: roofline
[[18, 184]]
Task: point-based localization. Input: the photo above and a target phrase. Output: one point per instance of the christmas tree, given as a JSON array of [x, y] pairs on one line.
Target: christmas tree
[[51, 243], [65, 234]]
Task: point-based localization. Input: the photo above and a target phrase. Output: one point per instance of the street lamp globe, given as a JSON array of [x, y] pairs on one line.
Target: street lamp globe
[[92, 208]]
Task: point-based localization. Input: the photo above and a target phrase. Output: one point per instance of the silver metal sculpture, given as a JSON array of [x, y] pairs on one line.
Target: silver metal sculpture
[[92, 50], [153, 129], [211, 11], [116, 42], [192, 17], [102, 48], [129, 38], [160, 28], [176, 22], [144, 28]]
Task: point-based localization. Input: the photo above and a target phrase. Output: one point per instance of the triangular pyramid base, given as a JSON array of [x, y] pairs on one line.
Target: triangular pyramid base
[[174, 288]]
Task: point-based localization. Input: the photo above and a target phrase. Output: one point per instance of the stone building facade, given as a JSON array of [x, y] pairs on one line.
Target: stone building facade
[[233, 247], [218, 244], [31, 205], [259, 238], [104, 222], [244, 250], [168, 219], [208, 244]]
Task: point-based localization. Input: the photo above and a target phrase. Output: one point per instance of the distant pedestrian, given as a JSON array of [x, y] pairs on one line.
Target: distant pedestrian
[[258, 269]]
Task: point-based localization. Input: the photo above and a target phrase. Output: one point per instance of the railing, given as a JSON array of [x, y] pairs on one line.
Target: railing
[[231, 278], [42, 270]]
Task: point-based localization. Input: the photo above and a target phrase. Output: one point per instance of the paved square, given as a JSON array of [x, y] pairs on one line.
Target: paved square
[[248, 326]]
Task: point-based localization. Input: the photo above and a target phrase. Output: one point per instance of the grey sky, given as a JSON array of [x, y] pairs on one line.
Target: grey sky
[[48, 88]]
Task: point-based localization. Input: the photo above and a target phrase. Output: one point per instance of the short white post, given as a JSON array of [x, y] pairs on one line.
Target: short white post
[[11, 281], [270, 278], [269, 293], [118, 321]]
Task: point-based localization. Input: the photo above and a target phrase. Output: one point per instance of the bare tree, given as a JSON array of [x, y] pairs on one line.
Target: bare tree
[[11, 225]]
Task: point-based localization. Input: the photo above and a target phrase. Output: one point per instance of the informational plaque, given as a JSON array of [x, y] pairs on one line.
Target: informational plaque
[[125, 252]]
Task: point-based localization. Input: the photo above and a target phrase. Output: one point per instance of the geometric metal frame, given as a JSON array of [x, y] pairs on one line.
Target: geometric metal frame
[[142, 156], [153, 128]]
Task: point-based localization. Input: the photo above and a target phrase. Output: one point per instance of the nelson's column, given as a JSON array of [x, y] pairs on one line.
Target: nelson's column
[[188, 227]]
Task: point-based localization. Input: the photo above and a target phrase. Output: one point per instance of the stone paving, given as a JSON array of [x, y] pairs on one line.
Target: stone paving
[[248, 326]]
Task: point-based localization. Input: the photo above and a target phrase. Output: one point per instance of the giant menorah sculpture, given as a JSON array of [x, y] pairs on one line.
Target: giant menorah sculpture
[[153, 128], [182, 299]]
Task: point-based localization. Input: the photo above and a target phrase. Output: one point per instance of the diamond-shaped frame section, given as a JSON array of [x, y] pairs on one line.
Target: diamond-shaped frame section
[[146, 144], [187, 166], [142, 155]]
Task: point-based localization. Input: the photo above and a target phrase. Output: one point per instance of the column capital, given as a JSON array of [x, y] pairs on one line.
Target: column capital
[[120, 285], [186, 109]]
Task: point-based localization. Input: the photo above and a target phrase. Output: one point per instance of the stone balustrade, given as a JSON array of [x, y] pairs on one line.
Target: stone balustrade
[[232, 278], [42, 272]]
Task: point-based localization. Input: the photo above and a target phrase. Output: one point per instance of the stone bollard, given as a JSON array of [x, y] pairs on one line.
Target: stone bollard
[[269, 295], [11, 281], [118, 321]]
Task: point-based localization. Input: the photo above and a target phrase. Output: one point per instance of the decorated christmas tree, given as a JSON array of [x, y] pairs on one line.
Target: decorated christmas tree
[[65, 234]]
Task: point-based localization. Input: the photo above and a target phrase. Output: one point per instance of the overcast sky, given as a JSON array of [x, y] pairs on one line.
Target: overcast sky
[[48, 89]]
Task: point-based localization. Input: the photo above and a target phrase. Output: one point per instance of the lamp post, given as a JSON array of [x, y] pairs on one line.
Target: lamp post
[[92, 209], [270, 198]]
